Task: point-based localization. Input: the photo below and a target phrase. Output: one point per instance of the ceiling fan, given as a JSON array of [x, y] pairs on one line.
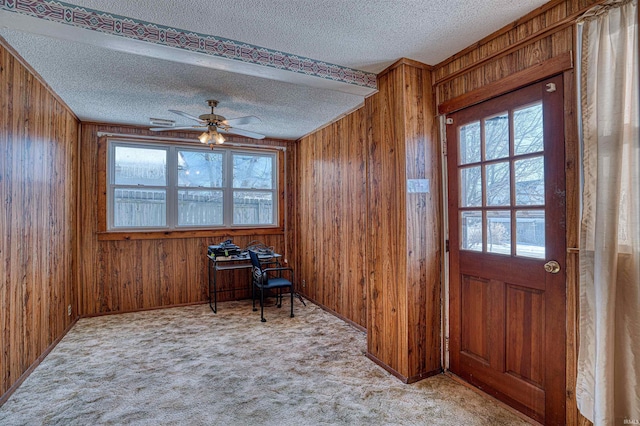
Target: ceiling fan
[[214, 125]]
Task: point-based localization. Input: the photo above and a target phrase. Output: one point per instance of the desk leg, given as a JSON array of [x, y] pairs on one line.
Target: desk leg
[[215, 289], [213, 307]]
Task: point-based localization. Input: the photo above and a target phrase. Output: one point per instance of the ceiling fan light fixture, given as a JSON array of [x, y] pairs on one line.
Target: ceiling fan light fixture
[[211, 136], [217, 137], [204, 138]]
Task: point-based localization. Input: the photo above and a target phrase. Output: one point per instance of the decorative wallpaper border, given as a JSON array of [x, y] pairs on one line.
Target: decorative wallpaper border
[[95, 20]]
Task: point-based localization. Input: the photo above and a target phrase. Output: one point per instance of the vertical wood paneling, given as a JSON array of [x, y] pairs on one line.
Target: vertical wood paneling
[[386, 237], [368, 250], [542, 35], [38, 164], [129, 275], [403, 239], [424, 221], [332, 216]]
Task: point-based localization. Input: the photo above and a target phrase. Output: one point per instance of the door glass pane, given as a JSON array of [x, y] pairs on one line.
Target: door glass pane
[[470, 143], [252, 171], [530, 231], [499, 232], [529, 181], [471, 231], [498, 190], [140, 166], [471, 187], [199, 208], [527, 129], [200, 169], [252, 208], [139, 208], [496, 130]]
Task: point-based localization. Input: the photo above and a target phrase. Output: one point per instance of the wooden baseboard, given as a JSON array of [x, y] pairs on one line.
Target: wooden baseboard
[[401, 377], [5, 397], [179, 305], [334, 313], [423, 376], [395, 373]]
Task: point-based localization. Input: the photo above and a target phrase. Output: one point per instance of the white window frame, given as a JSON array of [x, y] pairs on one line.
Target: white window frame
[[172, 186]]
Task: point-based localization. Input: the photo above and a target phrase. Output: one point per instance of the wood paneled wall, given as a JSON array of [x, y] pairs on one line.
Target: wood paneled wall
[[332, 209], [124, 275], [543, 34], [369, 251], [38, 175], [404, 228], [512, 57]]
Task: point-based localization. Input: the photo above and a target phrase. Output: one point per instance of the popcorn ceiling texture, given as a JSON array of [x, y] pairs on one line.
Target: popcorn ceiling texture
[[367, 35], [123, 88], [104, 85], [190, 366]]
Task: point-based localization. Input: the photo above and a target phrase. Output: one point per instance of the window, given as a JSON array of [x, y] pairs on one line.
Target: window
[[502, 183], [170, 187]]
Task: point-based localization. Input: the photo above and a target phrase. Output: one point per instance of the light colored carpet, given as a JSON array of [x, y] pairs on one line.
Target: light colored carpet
[[190, 366]]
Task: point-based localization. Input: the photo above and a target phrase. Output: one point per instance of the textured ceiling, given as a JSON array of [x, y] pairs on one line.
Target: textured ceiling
[[363, 34], [108, 77], [124, 88]]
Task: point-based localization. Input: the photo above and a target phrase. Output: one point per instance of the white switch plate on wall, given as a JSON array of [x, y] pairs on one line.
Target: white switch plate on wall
[[418, 185]]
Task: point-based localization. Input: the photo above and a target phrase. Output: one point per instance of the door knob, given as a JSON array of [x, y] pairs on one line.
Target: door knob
[[552, 267]]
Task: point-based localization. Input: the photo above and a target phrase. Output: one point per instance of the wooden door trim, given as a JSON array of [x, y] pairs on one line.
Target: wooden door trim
[[508, 84], [555, 168]]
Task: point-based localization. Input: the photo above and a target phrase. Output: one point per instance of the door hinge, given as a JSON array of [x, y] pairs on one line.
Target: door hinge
[[446, 246], [446, 344]]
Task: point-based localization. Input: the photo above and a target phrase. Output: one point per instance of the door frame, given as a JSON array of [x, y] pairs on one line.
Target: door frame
[[572, 207]]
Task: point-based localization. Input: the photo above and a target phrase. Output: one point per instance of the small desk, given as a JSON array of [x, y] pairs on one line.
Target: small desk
[[242, 261]]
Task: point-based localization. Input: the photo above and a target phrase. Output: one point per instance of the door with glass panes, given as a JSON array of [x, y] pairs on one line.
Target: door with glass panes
[[506, 200]]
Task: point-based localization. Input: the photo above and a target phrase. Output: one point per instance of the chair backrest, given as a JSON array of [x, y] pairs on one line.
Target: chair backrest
[[258, 276], [255, 261]]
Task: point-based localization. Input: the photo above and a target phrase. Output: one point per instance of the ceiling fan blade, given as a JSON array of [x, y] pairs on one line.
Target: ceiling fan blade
[[164, 129], [184, 114], [242, 133], [240, 121]]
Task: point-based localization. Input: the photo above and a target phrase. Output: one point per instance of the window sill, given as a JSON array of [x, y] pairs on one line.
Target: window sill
[[161, 235]]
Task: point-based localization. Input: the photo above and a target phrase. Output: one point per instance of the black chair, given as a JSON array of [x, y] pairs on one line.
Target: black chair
[[266, 279]]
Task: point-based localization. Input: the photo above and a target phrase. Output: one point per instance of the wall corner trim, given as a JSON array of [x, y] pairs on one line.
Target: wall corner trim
[[405, 61]]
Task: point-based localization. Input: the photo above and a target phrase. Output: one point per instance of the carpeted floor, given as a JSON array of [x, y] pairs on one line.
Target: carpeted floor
[[188, 366]]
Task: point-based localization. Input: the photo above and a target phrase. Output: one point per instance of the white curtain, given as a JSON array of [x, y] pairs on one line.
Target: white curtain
[[608, 387]]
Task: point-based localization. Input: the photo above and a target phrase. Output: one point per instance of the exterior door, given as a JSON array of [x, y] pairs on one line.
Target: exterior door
[[507, 248]]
